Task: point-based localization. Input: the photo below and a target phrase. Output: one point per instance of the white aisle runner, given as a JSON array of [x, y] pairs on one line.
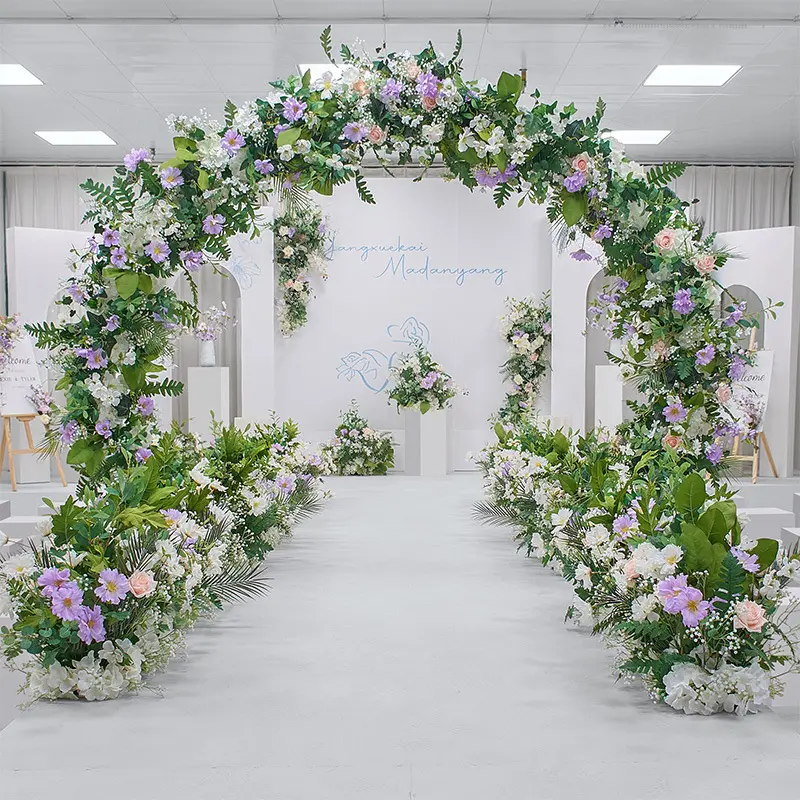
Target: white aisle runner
[[405, 653]]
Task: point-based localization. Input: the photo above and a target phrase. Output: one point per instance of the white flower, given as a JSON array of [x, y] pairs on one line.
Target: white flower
[[596, 535], [20, 566], [583, 574], [433, 133], [645, 609], [561, 517], [671, 555]]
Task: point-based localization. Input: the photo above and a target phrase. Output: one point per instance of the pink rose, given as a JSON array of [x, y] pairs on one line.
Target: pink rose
[[749, 616], [581, 162], [429, 103], [673, 441], [705, 264], [723, 393], [359, 87], [630, 570], [377, 135], [141, 584], [534, 357], [661, 348], [665, 240]]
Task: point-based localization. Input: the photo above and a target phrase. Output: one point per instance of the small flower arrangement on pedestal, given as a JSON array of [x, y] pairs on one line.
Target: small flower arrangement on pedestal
[[418, 382], [358, 449], [209, 326]]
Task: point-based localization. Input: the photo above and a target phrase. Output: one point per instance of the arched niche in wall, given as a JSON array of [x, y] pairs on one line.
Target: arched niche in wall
[[738, 293]]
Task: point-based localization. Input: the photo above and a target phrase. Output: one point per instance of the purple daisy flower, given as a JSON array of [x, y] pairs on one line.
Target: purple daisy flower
[[625, 524], [192, 260], [145, 405], [683, 302], [118, 256], [285, 483], [96, 359], [158, 251], [212, 224], [355, 131], [693, 607], [575, 182], [52, 579], [113, 586], [135, 157], [77, 294], [112, 323], [670, 590], [66, 602], [91, 627], [103, 428], [581, 255], [264, 166], [675, 412], [142, 454], [232, 141], [171, 178], [705, 355], [110, 237], [749, 561], [293, 109], [603, 232]]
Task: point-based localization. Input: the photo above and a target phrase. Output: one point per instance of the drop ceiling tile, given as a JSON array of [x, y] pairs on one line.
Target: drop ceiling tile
[[526, 32], [127, 55], [442, 34], [254, 81], [226, 10], [233, 34], [528, 53], [85, 78], [421, 9], [756, 79], [648, 8], [21, 33], [625, 35], [628, 76], [9, 9], [80, 53], [189, 103], [525, 9], [115, 8], [352, 9], [748, 9], [244, 54], [602, 54], [110, 34]]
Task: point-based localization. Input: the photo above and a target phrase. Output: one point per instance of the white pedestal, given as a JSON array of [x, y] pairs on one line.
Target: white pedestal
[[426, 443], [209, 392], [609, 397]]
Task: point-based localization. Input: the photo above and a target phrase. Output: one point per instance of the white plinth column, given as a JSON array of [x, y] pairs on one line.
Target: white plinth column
[[426, 443], [209, 393], [609, 400]]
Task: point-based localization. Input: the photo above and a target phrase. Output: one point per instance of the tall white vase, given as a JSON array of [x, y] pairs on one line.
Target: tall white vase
[[426, 443], [208, 354]]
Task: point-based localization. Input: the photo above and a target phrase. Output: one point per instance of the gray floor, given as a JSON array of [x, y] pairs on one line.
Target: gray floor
[[404, 653]]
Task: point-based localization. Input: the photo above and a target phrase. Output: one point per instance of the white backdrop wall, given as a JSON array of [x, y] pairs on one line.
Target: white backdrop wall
[[429, 261]]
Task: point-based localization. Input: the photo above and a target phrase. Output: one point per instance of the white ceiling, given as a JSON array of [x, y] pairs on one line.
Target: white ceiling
[[123, 65]]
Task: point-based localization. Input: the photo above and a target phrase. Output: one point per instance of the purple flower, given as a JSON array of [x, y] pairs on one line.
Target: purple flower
[[705, 355], [77, 294], [427, 84], [580, 255], [390, 91], [279, 129], [625, 524], [603, 232], [110, 238], [118, 256], [737, 369], [293, 109], [264, 166], [749, 561], [52, 579], [103, 428], [671, 590], [91, 626], [212, 224], [96, 359], [735, 315], [354, 131], [142, 454], [134, 158], [113, 586], [693, 607], [279, 448], [232, 141], [93, 245], [675, 412], [69, 432], [429, 380], [487, 177], [171, 177], [112, 323], [683, 302], [145, 405], [66, 601], [547, 328], [158, 251], [575, 182], [192, 260], [714, 453], [285, 483]]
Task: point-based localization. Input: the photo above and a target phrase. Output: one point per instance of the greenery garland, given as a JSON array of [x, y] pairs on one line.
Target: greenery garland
[[299, 252], [526, 326]]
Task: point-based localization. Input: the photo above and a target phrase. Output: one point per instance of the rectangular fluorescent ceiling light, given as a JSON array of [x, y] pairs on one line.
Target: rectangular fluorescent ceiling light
[[691, 74], [318, 70], [75, 137], [17, 75], [638, 137]]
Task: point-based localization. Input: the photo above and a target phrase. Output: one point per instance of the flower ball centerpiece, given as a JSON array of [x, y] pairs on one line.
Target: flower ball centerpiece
[[358, 449], [418, 382]]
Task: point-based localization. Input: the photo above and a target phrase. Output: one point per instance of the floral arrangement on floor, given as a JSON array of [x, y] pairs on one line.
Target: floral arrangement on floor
[[659, 562], [527, 327], [358, 449], [416, 381], [211, 323], [299, 253], [125, 570]]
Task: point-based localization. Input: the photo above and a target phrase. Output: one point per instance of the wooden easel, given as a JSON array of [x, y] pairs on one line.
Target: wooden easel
[[761, 438], [7, 444]]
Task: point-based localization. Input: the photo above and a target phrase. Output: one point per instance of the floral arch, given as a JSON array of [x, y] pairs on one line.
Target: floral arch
[[661, 303]]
